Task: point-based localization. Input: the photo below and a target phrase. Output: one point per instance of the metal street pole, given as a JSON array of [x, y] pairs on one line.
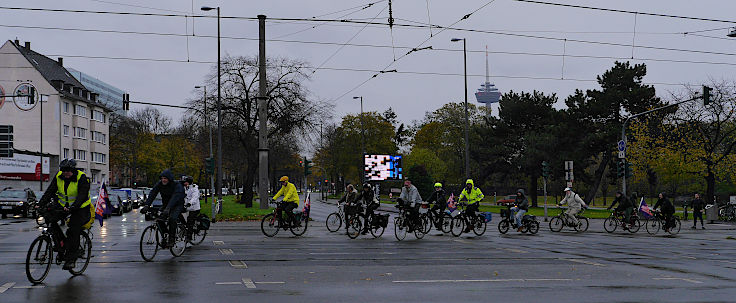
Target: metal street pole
[[209, 130], [545, 199], [467, 124], [262, 116], [362, 133], [219, 114]]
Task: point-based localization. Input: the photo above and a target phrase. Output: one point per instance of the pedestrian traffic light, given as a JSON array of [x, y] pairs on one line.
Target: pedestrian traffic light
[[545, 169], [209, 165], [706, 94], [620, 169], [307, 166], [629, 170]]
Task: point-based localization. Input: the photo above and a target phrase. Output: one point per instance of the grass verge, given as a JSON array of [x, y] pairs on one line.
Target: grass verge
[[232, 211]]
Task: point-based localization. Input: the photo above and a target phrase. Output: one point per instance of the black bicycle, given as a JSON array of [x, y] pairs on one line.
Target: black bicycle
[[435, 217], [41, 253], [405, 222], [196, 232], [272, 223], [529, 223], [155, 238], [617, 219], [562, 220], [376, 224], [464, 222], [658, 221]]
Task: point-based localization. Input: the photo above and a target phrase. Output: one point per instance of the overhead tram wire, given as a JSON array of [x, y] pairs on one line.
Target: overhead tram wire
[[375, 45], [359, 9]]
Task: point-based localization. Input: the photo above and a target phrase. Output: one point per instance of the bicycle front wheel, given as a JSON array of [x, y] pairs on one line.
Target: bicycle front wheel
[[149, 243], [38, 259], [85, 253], [556, 224], [426, 223], [457, 226], [333, 222], [503, 226], [355, 226], [652, 226], [610, 224], [446, 223], [269, 225], [399, 229], [180, 241]]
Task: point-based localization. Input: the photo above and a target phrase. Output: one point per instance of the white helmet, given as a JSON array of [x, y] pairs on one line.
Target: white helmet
[[568, 189]]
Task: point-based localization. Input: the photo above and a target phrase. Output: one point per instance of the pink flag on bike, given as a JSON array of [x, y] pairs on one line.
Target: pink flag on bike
[[645, 209], [307, 204], [451, 206], [101, 203]]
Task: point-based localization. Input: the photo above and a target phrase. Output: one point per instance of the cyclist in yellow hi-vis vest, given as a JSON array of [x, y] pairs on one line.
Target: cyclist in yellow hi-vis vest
[[70, 187]]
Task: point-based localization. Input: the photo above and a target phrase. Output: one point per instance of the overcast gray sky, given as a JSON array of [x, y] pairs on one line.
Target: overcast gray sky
[[409, 94]]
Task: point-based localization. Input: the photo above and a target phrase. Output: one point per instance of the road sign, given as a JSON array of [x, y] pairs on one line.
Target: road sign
[[568, 165], [568, 171], [621, 154], [621, 146]]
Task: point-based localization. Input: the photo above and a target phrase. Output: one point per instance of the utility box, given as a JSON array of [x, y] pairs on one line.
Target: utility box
[[711, 213]]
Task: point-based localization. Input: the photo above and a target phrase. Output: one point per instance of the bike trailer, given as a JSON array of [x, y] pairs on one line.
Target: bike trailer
[[203, 221], [488, 216]]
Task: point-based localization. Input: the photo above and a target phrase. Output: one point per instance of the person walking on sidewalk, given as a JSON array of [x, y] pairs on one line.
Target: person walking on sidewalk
[[698, 206]]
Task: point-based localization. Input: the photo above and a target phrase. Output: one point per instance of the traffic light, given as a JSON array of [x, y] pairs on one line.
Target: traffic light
[[706, 94], [629, 170], [307, 166], [209, 165], [620, 169], [327, 181], [126, 102], [545, 169]]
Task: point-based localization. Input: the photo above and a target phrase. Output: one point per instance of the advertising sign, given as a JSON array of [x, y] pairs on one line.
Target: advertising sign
[[24, 167], [383, 167]]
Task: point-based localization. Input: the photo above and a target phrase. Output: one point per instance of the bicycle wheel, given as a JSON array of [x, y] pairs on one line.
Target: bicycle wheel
[[610, 224], [299, 227], [652, 226], [533, 227], [479, 225], [457, 226], [355, 226], [180, 241], [583, 224], [399, 229], [377, 230], [503, 226], [269, 225], [85, 253], [556, 224], [676, 225], [419, 230], [426, 223], [198, 236], [635, 226], [149, 243], [446, 223], [333, 222], [38, 259]]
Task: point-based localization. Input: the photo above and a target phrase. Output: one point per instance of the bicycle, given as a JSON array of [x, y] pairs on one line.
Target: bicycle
[[198, 231], [434, 217], [41, 253], [658, 221], [616, 219], [562, 220], [271, 224], [529, 223], [155, 237], [335, 219], [463, 221], [376, 224], [404, 222]]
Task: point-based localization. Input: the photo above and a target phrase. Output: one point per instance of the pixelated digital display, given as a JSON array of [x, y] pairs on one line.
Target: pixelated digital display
[[383, 167]]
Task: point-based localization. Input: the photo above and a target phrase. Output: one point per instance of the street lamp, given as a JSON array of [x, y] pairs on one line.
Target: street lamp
[[209, 130], [362, 134], [465, 63], [218, 188]]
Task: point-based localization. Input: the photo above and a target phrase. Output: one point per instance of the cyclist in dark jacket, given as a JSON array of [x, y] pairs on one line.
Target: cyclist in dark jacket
[[172, 197], [367, 196], [624, 204], [522, 206], [438, 198], [667, 208]]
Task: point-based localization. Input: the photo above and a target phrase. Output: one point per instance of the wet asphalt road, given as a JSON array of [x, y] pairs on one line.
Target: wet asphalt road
[[236, 263]]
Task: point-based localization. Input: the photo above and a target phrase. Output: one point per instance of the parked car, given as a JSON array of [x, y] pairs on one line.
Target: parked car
[[17, 202], [138, 197], [510, 199], [116, 203], [125, 198], [155, 206]]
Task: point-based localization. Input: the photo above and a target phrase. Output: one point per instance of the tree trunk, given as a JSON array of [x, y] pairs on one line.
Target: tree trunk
[[598, 177], [710, 180], [533, 189], [250, 176]]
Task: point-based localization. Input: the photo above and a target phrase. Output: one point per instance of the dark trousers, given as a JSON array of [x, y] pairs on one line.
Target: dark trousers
[[471, 209], [78, 218], [289, 210], [171, 221], [368, 213], [697, 214], [192, 219]]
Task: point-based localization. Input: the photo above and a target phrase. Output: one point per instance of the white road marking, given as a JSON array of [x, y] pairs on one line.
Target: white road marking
[[726, 261], [463, 241], [6, 286], [29, 286], [218, 242], [237, 264], [518, 251], [327, 253], [249, 283], [275, 282], [226, 251], [681, 279], [570, 241], [482, 280], [228, 283], [584, 262]]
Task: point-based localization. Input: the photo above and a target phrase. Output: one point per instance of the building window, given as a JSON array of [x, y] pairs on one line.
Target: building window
[[80, 133], [99, 158], [98, 116], [104, 138], [80, 155], [80, 110], [66, 130], [66, 107], [66, 153]]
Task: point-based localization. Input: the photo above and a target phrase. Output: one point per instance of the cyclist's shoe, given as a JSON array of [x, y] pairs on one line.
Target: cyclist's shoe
[[519, 229], [69, 264]]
